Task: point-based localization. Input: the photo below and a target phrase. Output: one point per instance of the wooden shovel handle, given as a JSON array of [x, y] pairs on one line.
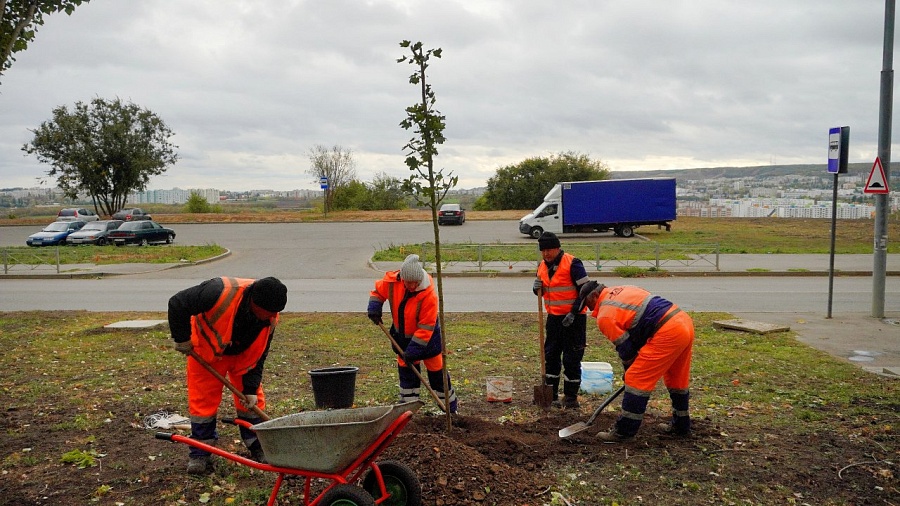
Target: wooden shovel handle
[[540, 299], [414, 370], [240, 395]]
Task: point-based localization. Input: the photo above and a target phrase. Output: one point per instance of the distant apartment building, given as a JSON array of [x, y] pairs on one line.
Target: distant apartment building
[[173, 196], [781, 208]]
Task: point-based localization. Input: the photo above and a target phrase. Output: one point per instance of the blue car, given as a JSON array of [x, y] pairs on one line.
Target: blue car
[[54, 234]]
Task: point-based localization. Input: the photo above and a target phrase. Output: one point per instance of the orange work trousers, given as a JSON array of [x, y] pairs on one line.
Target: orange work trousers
[[205, 390], [666, 355]]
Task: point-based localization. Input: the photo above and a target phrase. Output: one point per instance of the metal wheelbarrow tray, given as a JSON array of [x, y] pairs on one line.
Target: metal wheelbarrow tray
[[338, 446], [325, 441]]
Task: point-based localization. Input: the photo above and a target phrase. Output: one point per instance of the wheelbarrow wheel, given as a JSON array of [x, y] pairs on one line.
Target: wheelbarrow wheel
[[400, 481], [347, 495]]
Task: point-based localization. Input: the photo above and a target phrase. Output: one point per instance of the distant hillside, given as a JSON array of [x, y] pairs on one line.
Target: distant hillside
[[762, 171]]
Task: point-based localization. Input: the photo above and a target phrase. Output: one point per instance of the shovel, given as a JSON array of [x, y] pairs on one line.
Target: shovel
[[422, 380], [580, 426], [543, 393], [240, 395]]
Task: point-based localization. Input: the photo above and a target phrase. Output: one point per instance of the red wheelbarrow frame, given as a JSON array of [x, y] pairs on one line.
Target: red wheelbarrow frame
[[349, 475]]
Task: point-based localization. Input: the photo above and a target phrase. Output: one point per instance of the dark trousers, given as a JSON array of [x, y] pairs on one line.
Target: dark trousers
[[563, 351]]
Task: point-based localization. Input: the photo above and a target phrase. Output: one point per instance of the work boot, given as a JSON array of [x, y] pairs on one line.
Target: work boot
[[199, 466], [669, 430], [556, 403], [612, 436], [257, 453], [571, 402]]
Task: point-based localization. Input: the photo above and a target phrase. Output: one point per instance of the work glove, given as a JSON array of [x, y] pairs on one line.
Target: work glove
[[538, 286], [184, 347], [375, 316], [569, 318], [251, 401]]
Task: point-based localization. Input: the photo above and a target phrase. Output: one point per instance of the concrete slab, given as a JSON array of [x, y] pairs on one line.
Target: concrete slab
[[750, 326], [137, 324]]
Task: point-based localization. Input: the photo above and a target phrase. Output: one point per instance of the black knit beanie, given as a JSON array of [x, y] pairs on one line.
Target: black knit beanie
[[269, 294], [548, 240]]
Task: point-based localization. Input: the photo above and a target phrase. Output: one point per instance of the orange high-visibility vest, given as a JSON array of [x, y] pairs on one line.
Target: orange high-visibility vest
[[421, 310], [620, 308], [211, 331], [560, 292]]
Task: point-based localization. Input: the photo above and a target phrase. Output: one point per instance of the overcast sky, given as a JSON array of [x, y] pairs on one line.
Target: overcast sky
[[250, 86]]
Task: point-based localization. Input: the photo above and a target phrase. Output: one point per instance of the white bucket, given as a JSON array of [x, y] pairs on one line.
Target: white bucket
[[596, 377], [499, 389]]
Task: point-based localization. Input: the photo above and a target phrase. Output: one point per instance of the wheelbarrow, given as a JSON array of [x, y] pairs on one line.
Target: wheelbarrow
[[336, 446]]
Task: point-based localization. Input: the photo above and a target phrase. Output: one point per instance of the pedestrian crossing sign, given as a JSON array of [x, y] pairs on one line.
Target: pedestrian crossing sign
[[877, 182]]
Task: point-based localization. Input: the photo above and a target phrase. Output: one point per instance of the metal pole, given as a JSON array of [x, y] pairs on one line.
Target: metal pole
[[882, 210], [834, 194]]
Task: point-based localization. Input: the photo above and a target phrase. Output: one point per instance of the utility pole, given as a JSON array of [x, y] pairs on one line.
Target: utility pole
[[882, 209]]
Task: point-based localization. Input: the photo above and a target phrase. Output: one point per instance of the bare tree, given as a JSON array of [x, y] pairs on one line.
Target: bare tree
[[336, 164]]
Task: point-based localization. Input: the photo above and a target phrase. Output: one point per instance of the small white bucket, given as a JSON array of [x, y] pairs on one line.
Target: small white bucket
[[596, 377], [499, 389]]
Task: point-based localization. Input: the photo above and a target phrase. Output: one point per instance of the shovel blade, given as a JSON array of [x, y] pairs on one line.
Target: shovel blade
[[543, 396], [572, 429]]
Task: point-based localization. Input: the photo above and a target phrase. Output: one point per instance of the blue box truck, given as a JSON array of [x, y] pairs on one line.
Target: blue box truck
[[620, 205]]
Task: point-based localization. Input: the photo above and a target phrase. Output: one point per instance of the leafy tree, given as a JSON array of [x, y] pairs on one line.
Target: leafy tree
[[386, 192], [428, 125], [106, 149], [352, 195], [335, 163], [197, 204], [20, 21], [523, 186]]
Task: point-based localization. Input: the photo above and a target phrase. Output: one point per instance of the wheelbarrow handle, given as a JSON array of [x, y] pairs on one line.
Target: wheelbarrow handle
[[240, 395], [424, 382]]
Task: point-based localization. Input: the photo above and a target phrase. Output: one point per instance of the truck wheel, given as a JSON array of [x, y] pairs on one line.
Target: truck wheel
[[536, 232], [626, 231]]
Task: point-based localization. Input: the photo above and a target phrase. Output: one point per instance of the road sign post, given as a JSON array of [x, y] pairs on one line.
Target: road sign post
[[838, 153], [323, 184]]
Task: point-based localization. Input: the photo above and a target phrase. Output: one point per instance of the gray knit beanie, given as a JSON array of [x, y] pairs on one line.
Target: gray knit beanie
[[412, 270]]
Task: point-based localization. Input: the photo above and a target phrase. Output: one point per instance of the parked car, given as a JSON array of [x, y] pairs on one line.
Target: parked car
[[54, 233], [141, 232], [76, 214], [451, 213], [131, 214], [95, 232]]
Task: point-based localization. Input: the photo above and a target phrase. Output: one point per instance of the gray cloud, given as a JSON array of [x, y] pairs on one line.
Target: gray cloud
[[249, 86]]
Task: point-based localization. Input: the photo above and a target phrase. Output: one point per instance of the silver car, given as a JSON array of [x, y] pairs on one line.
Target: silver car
[[95, 232]]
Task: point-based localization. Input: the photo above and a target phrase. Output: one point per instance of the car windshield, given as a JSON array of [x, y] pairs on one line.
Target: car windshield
[[57, 227], [130, 225], [94, 225]]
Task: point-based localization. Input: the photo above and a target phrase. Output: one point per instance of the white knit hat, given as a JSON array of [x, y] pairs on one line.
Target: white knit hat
[[412, 270]]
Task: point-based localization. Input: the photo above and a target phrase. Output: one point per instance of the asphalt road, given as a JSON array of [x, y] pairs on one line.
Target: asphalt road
[[325, 266]]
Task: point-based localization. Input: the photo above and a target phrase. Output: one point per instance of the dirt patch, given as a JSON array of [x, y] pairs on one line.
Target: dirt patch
[[484, 459]]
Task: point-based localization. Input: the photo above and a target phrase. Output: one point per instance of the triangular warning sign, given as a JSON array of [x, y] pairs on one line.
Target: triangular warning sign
[[877, 183]]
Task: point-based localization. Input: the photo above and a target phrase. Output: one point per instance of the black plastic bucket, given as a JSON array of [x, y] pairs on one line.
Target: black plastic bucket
[[334, 387]]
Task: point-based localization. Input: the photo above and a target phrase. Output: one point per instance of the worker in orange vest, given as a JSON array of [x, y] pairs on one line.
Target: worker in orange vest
[[229, 323], [654, 339], [559, 277], [414, 309]]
